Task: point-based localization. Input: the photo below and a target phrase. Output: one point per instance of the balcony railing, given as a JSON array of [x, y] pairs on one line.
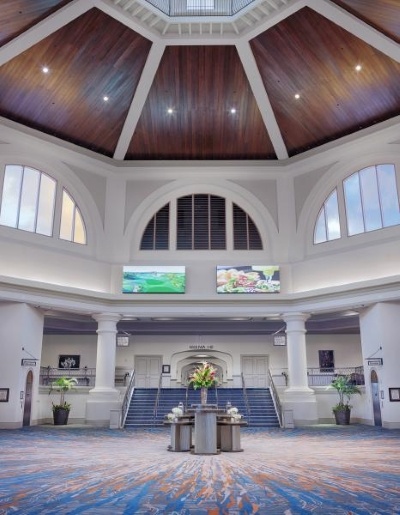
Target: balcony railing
[[322, 376], [200, 7]]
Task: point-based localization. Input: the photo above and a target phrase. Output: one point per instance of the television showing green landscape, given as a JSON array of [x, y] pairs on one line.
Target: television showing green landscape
[[153, 279], [248, 279]]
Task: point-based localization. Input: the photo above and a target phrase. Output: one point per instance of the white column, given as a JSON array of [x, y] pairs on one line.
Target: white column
[[296, 352], [298, 397], [104, 397], [106, 352]]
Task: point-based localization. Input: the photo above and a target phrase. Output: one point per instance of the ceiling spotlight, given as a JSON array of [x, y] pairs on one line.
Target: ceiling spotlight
[[106, 98], [45, 69], [297, 96], [170, 110], [233, 110], [358, 68]]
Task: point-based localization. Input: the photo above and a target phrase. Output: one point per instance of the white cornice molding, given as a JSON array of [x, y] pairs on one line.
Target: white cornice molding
[[63, 298]]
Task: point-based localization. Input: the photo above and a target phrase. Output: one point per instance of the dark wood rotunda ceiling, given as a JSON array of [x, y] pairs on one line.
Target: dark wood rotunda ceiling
[[229, 82]]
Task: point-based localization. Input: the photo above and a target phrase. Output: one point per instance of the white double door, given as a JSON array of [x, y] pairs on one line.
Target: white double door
[[147, 371], [255, 371]]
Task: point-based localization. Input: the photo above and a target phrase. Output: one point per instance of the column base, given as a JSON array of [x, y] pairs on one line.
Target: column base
[[99, 405], [303, 403]]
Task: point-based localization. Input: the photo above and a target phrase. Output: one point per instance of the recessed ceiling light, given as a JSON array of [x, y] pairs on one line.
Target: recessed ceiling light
[[297, 96], [45, 69], [358, 68], [233, 110], [106, 98], [170, 110]]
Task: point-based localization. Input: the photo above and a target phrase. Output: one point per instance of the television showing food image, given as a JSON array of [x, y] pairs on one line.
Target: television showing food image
[[248, 279], [153, 279]]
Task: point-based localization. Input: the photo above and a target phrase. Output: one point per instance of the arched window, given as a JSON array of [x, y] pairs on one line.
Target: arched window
[[371, 202], [328, 225], [72, 227], [156, 234], [28, 202], [371, 199], [201, 224]]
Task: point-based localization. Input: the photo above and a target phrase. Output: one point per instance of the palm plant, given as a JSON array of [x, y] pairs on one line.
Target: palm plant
[[345, 389], [63, 385]]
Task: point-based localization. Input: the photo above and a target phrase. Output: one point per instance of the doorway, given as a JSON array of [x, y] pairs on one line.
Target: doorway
[[147, 371], [376, 402], [28, 399], [255, 371]]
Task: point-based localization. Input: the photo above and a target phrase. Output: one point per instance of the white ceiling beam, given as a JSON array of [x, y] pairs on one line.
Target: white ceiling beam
[[44, 28], [275, 17], [126, 18], [357, 27], [141, 94], [262, 99]]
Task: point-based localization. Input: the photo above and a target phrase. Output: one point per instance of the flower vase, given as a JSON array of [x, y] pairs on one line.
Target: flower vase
[[203, 395]]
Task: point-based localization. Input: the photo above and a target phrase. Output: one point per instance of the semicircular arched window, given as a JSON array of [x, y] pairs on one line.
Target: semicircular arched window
[[371, 202], [201, 224], [29, 203]]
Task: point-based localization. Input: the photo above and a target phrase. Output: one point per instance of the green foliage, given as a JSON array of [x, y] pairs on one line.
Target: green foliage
[[203, 376], [62, 385], [345, 389]]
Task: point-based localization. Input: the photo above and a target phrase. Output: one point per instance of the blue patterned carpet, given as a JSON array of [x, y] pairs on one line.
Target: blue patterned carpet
[[322, 470]]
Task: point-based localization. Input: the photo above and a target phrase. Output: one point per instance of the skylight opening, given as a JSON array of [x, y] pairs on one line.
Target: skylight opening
[[200, 5]]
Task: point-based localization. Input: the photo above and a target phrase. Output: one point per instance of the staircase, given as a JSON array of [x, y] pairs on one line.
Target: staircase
[[141, 410]]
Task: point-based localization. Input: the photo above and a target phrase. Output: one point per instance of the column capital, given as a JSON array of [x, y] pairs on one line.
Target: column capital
[[296, 316], [107, 317]]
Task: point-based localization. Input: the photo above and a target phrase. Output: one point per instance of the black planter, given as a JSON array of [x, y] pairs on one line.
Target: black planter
[[342, 417], [60, 416]]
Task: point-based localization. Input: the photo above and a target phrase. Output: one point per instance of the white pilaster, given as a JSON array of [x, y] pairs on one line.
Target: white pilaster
[[21, 335], [298, 396], [379, 330]]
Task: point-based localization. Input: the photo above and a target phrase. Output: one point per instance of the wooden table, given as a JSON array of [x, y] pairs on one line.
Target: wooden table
[[230, 435], [181, 435]]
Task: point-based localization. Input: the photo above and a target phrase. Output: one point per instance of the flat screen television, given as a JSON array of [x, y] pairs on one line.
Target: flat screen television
[[153, 279], [248, 279]]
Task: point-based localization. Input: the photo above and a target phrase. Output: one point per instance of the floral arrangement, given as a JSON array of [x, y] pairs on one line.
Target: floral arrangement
[[175, 413], [234, 413], [204, 376]]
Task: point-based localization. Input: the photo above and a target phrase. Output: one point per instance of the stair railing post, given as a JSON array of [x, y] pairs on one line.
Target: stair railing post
[[246, 400], [275, 398], [157, 400], [127, 398]]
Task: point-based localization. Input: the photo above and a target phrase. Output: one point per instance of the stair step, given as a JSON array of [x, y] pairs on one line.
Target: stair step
[[141, 410]]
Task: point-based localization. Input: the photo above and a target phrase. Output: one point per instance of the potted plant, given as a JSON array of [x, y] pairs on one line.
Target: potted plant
[[61, 410], [345, 388]]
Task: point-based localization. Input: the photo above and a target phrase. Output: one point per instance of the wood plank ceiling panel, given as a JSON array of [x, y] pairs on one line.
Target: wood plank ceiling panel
[[307, 54], [383, 15], [201, 85], [89, 58], [16, 16]]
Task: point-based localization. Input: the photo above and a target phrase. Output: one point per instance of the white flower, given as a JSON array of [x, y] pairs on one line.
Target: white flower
[[170, 416], [178, 412], [232, 411]]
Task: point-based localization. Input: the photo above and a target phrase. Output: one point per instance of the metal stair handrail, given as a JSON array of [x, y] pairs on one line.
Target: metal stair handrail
[[155, 412], [127, 398], [275, 398], [246, 400]]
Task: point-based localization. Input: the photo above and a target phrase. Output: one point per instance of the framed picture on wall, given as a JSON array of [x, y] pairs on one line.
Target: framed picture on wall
[[394, 394], [68, 361], [326, 360], [166, 369], [4, 394]]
